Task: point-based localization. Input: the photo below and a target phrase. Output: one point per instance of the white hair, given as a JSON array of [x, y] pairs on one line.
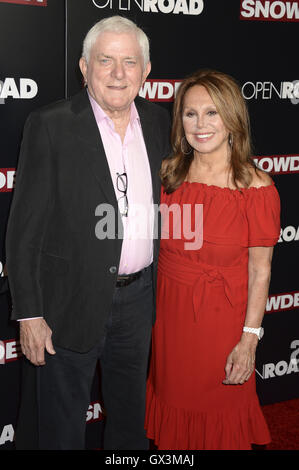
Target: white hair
[[116, 24]]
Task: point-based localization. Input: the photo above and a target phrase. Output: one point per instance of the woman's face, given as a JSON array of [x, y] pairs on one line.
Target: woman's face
[[203, 126]]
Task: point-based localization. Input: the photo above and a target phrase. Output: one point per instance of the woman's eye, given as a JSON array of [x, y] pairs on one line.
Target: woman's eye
[[189, 114], [212, 113]]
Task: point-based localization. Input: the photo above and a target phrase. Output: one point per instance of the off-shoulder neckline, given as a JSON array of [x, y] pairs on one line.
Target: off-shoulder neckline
[[226, 188]]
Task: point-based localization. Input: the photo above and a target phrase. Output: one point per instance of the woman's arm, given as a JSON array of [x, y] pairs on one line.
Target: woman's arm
[[240, 362]]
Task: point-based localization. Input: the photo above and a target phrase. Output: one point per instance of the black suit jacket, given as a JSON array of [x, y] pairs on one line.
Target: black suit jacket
[[56, 265]]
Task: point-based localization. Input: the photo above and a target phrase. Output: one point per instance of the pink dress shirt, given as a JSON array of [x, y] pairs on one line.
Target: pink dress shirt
[[130, 156]]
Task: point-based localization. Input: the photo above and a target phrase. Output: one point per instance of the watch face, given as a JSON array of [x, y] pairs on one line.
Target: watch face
[[261, 333]]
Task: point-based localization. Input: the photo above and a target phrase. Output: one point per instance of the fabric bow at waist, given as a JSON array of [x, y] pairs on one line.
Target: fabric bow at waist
[[201, 276]]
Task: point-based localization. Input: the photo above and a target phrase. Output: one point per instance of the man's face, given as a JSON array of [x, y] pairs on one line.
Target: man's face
[[115, 71]]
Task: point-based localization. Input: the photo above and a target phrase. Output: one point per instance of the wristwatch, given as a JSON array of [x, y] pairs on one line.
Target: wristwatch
[[259, 332]]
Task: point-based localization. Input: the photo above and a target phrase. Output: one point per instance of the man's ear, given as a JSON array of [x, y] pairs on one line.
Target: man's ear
[[146, 72], [83, 68]]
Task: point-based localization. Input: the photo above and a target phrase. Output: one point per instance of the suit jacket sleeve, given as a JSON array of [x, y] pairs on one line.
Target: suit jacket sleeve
[[28, 219]]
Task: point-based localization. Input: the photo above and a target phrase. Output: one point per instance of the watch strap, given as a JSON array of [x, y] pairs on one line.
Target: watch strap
[[257, 331]]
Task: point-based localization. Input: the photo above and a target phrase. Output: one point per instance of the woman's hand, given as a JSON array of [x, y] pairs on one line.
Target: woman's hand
[[240, 362]]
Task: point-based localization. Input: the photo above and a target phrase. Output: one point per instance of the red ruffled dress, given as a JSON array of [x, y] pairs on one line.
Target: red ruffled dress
[[201, 307]]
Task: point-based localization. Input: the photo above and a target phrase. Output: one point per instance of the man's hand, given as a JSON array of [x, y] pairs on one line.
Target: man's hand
[[35, 337], [240, 362]]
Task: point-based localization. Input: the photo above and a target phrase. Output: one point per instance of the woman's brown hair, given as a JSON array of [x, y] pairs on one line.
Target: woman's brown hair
[[230, 104]]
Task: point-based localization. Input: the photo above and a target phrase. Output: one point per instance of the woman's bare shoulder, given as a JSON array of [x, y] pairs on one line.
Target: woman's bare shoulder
[[259, 178]]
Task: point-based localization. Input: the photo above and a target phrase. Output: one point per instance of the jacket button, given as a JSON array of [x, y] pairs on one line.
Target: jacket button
[[112, 269]]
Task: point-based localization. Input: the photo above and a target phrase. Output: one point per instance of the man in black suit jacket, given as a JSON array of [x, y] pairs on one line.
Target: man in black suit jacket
[[73, 303]]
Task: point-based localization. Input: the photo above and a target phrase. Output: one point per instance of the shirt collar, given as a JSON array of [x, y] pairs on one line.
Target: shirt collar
[[100, 114]]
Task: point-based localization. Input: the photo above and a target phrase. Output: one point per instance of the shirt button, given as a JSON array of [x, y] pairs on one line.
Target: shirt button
[[112, 269]]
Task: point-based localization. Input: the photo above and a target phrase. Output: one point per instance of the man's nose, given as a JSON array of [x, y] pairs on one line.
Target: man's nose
[[118, 70]]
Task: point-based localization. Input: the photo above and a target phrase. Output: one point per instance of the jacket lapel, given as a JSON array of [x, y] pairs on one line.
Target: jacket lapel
[[90, 143]]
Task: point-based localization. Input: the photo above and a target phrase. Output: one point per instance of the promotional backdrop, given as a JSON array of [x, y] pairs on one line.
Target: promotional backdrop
[[254, 41]]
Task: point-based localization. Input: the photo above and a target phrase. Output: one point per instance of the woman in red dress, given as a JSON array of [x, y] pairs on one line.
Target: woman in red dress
[[211, 295]]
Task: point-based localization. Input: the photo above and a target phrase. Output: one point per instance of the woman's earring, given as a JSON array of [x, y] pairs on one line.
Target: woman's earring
[[182, 146], [230, 140]]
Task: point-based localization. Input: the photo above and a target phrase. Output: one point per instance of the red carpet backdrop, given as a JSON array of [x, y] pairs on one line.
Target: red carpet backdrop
[[257, 43]]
